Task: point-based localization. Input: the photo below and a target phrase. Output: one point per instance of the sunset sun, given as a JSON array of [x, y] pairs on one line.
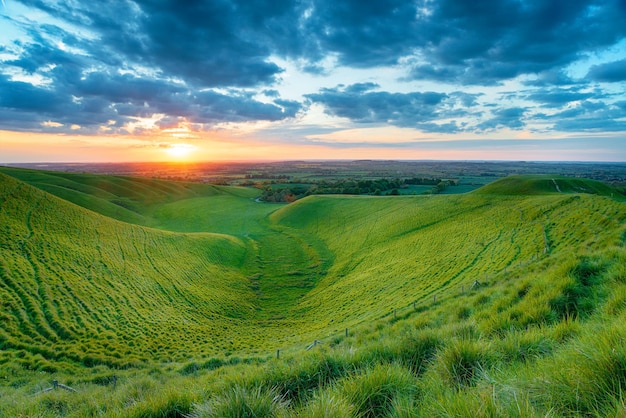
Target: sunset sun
[[180, 150]]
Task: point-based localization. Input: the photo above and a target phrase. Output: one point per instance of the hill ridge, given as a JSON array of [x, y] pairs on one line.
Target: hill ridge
[[534, 184]]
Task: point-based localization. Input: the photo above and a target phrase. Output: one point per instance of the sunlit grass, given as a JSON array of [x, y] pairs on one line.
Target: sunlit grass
[[147, 322]]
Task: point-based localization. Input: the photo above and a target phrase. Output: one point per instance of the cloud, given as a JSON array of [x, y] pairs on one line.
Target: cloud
[[552, 77], [558, 97], [222, 61], [511, 118], [611, 72], [489, 41], [591, 116], [231, 43], [363, 34], [360, 105], [216, 43]]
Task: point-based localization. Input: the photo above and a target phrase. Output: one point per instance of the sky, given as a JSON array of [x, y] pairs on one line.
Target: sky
[[165, 80]]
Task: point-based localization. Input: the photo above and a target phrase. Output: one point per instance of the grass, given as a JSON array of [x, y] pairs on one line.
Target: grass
[[188, 316]]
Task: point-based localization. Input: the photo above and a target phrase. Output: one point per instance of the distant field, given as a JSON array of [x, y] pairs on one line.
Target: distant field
[[187, 290]]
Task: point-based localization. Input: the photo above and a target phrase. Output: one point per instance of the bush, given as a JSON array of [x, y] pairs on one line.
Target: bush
[[525, 346]]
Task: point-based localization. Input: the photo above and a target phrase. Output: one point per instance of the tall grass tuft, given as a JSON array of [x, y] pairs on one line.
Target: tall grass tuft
[[461, 363], [418, 350], [373, 392], [242, 402], [524, 346], [297, 380], [578, 297], [171, 404], [327, 404], [590, 377]]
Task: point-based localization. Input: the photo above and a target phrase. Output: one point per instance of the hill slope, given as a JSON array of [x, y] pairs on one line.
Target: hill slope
[[81, 290], [391, 252], [524, 185], [313, 267], [168, 205], [76, 285]]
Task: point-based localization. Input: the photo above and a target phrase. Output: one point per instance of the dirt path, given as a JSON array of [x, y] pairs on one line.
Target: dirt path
[[558, 189]]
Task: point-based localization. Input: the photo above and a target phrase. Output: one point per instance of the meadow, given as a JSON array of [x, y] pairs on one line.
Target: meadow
[[157, 298]]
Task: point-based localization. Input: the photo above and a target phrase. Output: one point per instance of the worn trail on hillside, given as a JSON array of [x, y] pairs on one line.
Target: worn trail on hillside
[[284, 270]]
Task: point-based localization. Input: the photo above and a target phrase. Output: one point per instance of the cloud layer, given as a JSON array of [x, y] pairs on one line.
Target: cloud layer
[[447, 66]]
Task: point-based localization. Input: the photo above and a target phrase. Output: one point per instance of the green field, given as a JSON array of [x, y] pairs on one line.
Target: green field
[[506, 301]]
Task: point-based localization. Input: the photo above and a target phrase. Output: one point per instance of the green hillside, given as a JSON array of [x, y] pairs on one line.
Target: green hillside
[[508, 301], [144, 201], [546, 184], [78, 286]]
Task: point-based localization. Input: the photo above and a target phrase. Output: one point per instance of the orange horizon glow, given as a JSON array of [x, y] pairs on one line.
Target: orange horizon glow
[[22, 147]]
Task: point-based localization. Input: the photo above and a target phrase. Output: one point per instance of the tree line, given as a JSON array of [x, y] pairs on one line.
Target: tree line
[[377, 187]]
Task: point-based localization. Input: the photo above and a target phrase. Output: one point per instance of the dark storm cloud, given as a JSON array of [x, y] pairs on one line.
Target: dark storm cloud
[[360, 105], [609, 72], [209, 43], [206, 60], [364, 33], [420, 110], [485, 42]]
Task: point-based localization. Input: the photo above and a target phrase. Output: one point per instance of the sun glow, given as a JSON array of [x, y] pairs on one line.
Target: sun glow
[[179, 150]]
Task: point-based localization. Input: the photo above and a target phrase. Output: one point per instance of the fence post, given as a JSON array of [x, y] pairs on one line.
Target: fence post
[[394, 313], [277, 353], [346, 332]]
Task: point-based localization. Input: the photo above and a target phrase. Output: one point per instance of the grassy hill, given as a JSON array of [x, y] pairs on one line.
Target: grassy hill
[[525, 185], [78, 286], [506, 301], [148, 202]]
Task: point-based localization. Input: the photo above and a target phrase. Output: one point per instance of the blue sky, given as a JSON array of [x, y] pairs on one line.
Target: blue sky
[[275, 79]]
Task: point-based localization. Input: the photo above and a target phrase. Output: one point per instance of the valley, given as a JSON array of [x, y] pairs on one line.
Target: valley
[[194, 292]]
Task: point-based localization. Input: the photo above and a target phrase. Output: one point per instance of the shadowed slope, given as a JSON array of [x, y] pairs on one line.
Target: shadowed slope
[[77, 285], [138, 200]]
